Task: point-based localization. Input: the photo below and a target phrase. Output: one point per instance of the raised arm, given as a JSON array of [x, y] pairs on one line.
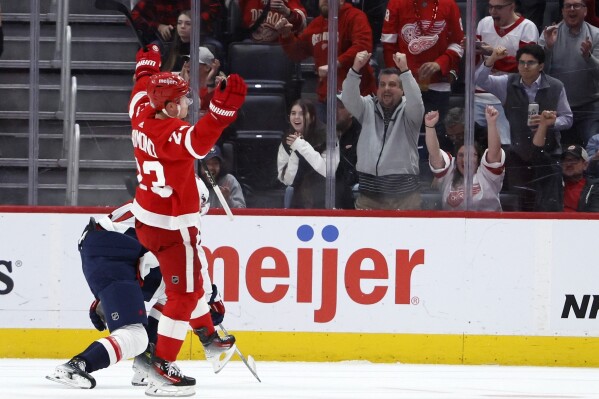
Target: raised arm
[[496, 85], [414, 104], [296, 47], [435, 157], [350, 94], [296, 15], [546, 120], [147, 64], [494, 150], [222, 111]]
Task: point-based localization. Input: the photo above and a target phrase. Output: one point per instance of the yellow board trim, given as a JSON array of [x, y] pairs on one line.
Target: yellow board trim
[[331, 347]]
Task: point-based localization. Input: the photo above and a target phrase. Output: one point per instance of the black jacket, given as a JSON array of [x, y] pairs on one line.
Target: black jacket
[[589, 197]]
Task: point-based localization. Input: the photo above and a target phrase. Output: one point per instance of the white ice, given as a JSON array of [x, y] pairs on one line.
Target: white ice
[[24, 378]]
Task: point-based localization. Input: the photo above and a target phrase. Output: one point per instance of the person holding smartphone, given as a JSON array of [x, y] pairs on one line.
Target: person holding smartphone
[[517, 91]]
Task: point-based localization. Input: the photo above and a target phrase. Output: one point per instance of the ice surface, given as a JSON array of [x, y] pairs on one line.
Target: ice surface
[[24, 378]]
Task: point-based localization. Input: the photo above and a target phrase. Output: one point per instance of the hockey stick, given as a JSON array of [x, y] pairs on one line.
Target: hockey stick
[[218, 193], [250, 363], [114, 5]]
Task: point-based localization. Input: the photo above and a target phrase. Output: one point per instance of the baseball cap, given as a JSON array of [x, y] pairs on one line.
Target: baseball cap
[[206, 56], [576, 151], [215, 152]]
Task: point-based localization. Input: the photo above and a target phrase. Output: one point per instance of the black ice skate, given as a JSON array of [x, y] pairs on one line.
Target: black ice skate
[[218, 349], [73, 373], [141, 367], [165, 379]]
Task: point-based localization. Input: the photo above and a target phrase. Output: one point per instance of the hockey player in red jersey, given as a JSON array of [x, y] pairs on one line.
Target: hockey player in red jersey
[[122, 275], [166, 207]]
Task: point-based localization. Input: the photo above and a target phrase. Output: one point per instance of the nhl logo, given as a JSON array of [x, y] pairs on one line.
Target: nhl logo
[[114, 316], [175, 279]]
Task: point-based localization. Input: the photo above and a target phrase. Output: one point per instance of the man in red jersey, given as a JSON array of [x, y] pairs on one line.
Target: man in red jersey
[[261, 28], [166, 207], [354, 35], [429, 32]]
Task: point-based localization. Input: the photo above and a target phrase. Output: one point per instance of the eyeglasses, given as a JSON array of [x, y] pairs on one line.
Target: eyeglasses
[[575, 6], [528, 63], [499, 7]]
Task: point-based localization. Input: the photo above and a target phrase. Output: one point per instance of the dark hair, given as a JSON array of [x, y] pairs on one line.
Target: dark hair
[[532, 49], [458, 177], [390, 71], [314, 130], [175, 49]]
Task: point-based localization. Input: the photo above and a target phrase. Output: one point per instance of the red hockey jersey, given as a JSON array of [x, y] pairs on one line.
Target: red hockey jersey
[[252, 9], [165, 152], [435, 36], [354, 35]]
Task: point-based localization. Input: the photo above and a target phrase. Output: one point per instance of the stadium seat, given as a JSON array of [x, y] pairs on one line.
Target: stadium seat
[[257, 133], [265, 67], [261, 117]]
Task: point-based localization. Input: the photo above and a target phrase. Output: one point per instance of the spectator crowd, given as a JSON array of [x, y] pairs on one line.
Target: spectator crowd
[[402, 137]]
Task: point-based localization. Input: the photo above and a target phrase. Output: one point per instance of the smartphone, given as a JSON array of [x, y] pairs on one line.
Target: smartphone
[[533, 109], [185, 58]]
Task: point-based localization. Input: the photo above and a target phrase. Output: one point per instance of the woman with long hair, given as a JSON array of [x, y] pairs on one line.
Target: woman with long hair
[[179, 48], [180, 44], [301, 158], [488, 167]]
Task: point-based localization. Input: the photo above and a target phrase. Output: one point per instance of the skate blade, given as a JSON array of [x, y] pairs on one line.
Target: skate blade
[[139, 379], [218, 363], [170, 391], [76, 382], [142, 383]]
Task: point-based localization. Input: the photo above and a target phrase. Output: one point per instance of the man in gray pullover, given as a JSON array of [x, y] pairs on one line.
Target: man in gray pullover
[[388, 146]]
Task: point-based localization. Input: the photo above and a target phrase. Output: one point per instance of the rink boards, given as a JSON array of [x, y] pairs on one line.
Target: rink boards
[[419, 288]]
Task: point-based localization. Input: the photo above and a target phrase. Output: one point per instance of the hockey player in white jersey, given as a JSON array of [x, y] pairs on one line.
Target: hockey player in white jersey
[[122, 275]]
